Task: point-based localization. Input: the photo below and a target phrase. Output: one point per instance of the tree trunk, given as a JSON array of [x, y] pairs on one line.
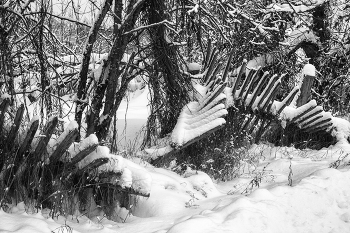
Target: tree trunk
[[45, 83], [174, 84], [81, 94], [108, 87]]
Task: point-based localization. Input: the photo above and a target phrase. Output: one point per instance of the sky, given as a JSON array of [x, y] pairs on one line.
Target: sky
[[86, 9]]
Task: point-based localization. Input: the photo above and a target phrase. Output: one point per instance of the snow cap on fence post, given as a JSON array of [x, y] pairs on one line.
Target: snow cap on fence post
[[193, 68], [309, 74]]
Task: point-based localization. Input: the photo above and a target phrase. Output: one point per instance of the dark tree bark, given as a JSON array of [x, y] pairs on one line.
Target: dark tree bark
[[45, 83], [174, 84], [81, 94], [321, 23], [108, 87], [6, 68]]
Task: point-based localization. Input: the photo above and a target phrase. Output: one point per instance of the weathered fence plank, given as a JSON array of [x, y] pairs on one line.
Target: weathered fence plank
[[305, 90], [44, 140], [27, 140], [14, 128], [64, 145]]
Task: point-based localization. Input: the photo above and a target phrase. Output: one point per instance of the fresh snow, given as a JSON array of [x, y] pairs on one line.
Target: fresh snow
[[53, 143], [132, 175], [197, 118], [342, 129], [132, 117], [290, 112], [318, 200], [156, 152], [4, 96], [193, 66], [99, 152], [302, 6], [75, 148], [193, 10], [309, 70]]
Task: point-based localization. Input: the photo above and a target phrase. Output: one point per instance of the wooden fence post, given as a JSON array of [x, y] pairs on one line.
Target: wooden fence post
[[308, 80]]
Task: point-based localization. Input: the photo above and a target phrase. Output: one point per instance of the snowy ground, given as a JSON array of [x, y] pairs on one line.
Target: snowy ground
[[261, 200], [318, 201], [132, 117]]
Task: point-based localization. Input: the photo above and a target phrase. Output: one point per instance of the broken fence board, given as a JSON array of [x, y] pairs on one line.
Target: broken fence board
[[43, 141], [14, 128], [64, 145], [28, 139]]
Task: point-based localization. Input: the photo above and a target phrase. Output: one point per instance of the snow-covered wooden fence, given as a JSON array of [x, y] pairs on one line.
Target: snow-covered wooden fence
[[258, 100], [250, 94], [39, 166], [52, 170]]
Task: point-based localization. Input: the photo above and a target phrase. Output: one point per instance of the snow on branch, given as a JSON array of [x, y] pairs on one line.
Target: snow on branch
[[61, 17], [214, 24], [193, 10], [164, 22], [262, 29], [289, 7], [6, 7], [132, 10]]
